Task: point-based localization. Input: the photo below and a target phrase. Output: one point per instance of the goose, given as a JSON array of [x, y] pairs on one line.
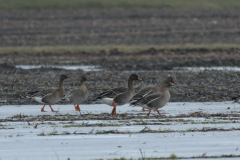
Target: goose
[[153, 97], [120, 95], [236, 99], [48, 96], [78, 95]]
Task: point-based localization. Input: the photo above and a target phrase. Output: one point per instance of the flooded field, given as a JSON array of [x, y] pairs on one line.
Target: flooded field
[[199, 122], [187, 130]]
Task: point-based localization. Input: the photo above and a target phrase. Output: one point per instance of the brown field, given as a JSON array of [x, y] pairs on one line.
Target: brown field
[[140, 27], [119, 27]]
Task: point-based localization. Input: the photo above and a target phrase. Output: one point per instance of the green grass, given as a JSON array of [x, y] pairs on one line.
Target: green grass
[[108, 4], [107, 48], [173, 156]]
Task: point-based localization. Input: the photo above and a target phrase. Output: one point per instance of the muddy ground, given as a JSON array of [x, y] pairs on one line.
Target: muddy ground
[[118, 26], [152, 68], [103, 27]]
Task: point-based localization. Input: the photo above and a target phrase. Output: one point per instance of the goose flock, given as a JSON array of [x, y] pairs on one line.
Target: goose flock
[[152, 97]]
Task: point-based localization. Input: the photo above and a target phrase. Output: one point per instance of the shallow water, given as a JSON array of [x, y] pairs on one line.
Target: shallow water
[[84, 68], [90, 138], [97, 68], [196, 69]]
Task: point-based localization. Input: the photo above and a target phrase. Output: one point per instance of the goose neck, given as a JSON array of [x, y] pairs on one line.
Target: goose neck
[[130, 85]]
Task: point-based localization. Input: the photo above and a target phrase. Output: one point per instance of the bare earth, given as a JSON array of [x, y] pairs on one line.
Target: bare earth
[[191, 86], [134, 27], [118, 26]]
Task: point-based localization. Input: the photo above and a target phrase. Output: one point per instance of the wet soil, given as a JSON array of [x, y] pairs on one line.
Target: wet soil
[[103, 27], [207, 85], [119, 26], [136, 118]]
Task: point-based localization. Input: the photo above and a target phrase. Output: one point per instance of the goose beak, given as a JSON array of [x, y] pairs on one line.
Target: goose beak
[[139, 79]]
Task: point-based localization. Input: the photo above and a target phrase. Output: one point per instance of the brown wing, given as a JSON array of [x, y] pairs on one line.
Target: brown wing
[[112, 92]]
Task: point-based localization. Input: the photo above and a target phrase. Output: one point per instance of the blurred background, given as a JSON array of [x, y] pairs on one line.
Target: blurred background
[[119, 22], [107, 40]]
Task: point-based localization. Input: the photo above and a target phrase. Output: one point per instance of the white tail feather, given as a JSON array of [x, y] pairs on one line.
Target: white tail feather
[[107, 101], [38, 99]]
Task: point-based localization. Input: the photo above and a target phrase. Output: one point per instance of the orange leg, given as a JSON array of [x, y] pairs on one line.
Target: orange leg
[[143, 109], [42, 110], [114, 109], [159, 112], [77, 108], [52, 108], [149, 112]]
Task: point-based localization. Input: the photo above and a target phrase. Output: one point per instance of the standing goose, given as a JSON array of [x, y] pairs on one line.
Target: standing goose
[[48, 96], [78, 95], [150, 90], [153, 97], [119, 96]]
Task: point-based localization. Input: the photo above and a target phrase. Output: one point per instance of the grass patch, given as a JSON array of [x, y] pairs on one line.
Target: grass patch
[[109, 4], [52, 133], [147, 130], [173, 156], [72, 125], [90, 125], [108, 48]]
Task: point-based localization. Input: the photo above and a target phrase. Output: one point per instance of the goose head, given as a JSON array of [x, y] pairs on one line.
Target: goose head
[[134, 77], [169, 82]]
